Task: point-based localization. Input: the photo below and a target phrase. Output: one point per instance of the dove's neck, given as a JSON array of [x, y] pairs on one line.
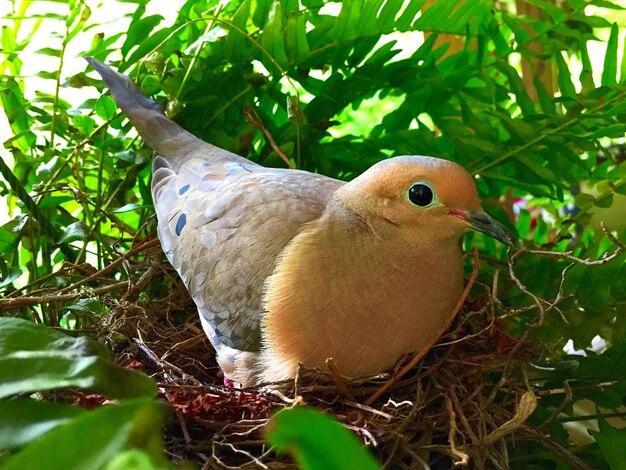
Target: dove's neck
[[340, 290]]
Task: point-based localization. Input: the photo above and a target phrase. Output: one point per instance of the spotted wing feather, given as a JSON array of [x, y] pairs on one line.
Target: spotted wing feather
[[223, 227]]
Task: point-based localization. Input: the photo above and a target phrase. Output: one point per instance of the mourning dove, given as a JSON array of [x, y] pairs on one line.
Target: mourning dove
[[288, 267]]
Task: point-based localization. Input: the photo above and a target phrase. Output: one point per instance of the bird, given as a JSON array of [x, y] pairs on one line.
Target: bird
[[289, 268]]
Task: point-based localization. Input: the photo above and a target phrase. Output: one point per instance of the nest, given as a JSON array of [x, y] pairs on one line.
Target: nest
[[464, 403], [455, 406]]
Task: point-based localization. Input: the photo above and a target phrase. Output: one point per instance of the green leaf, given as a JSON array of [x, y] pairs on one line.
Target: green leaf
[[523, 224], [139, 30], [454, 16], [556, 13], [235, 46], [564, 77], [317, 442], [16, 108], [296, 45], [25, 420], [347, 20], [94, 438], [546, 102], [387, 16], [76, 231], [129, 207], [272, 37], [260, 12], [519, 28], [586, 74], [34, 357], [541, 232], [519, 88], [147, 45], [13, 273], [408, 15], [606, 398], [81, 14], [605, 200], [622, 68], [105, 107], [609, 72], [607, 4], [584, 201], [612, 443], [132, 459], [84, 124], [49, 51], [87, 306], [612, 130]]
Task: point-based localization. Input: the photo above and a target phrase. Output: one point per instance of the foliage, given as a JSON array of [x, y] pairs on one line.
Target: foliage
[[337, 92], [34, 358], [317, 441], [38, 358]]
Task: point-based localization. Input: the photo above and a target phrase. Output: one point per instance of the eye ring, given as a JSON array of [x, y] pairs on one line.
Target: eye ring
[[421, 194]]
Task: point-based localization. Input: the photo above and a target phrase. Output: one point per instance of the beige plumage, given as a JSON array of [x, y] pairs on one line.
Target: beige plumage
[[287, 266]]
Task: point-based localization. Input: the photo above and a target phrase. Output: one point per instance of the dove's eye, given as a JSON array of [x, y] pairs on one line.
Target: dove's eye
[[421, 194]]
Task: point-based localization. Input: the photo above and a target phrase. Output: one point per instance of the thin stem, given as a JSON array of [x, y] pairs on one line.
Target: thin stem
[[57, 88]]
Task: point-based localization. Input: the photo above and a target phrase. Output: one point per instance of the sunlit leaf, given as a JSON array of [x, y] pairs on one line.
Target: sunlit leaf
[[34, 357], [96, 438], [609, 71], [105, 107], [76, 231], [317, 441], [13, 273]]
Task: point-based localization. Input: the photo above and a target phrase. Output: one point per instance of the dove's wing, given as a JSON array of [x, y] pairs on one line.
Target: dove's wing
[[223, 220], [223, 227]]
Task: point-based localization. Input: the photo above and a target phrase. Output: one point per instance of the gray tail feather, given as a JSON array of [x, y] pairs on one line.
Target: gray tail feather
[[161, 133]]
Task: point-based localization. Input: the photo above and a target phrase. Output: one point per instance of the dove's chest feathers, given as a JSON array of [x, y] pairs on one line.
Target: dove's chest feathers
[[341, 291]]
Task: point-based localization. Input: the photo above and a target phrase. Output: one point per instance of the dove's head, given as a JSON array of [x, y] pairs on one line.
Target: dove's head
[[420, 198]]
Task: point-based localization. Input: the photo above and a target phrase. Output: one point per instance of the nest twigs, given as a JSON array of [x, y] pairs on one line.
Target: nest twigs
[[441, 407], [465, 402]]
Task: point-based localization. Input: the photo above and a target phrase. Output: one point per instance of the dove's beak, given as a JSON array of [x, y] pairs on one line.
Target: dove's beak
[[483, 222]]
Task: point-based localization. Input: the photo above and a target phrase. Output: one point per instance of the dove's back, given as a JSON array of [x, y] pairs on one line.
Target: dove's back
[[223, 221]]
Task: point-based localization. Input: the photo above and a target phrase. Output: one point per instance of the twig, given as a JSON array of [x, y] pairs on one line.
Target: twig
[[107, 269], [369, 409], [569, 397], [418, 405], [339, 380], [571, 459], [461, 458], [453, 397], [183, 425], [63, 271], [253, 118], [19, 302], [605, 258], [571, 419]]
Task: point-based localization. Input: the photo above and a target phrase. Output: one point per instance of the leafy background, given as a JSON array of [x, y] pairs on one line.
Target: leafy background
[[528, 96]]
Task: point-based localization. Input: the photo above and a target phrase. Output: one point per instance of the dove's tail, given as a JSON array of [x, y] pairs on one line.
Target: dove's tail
[[161, 133]]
